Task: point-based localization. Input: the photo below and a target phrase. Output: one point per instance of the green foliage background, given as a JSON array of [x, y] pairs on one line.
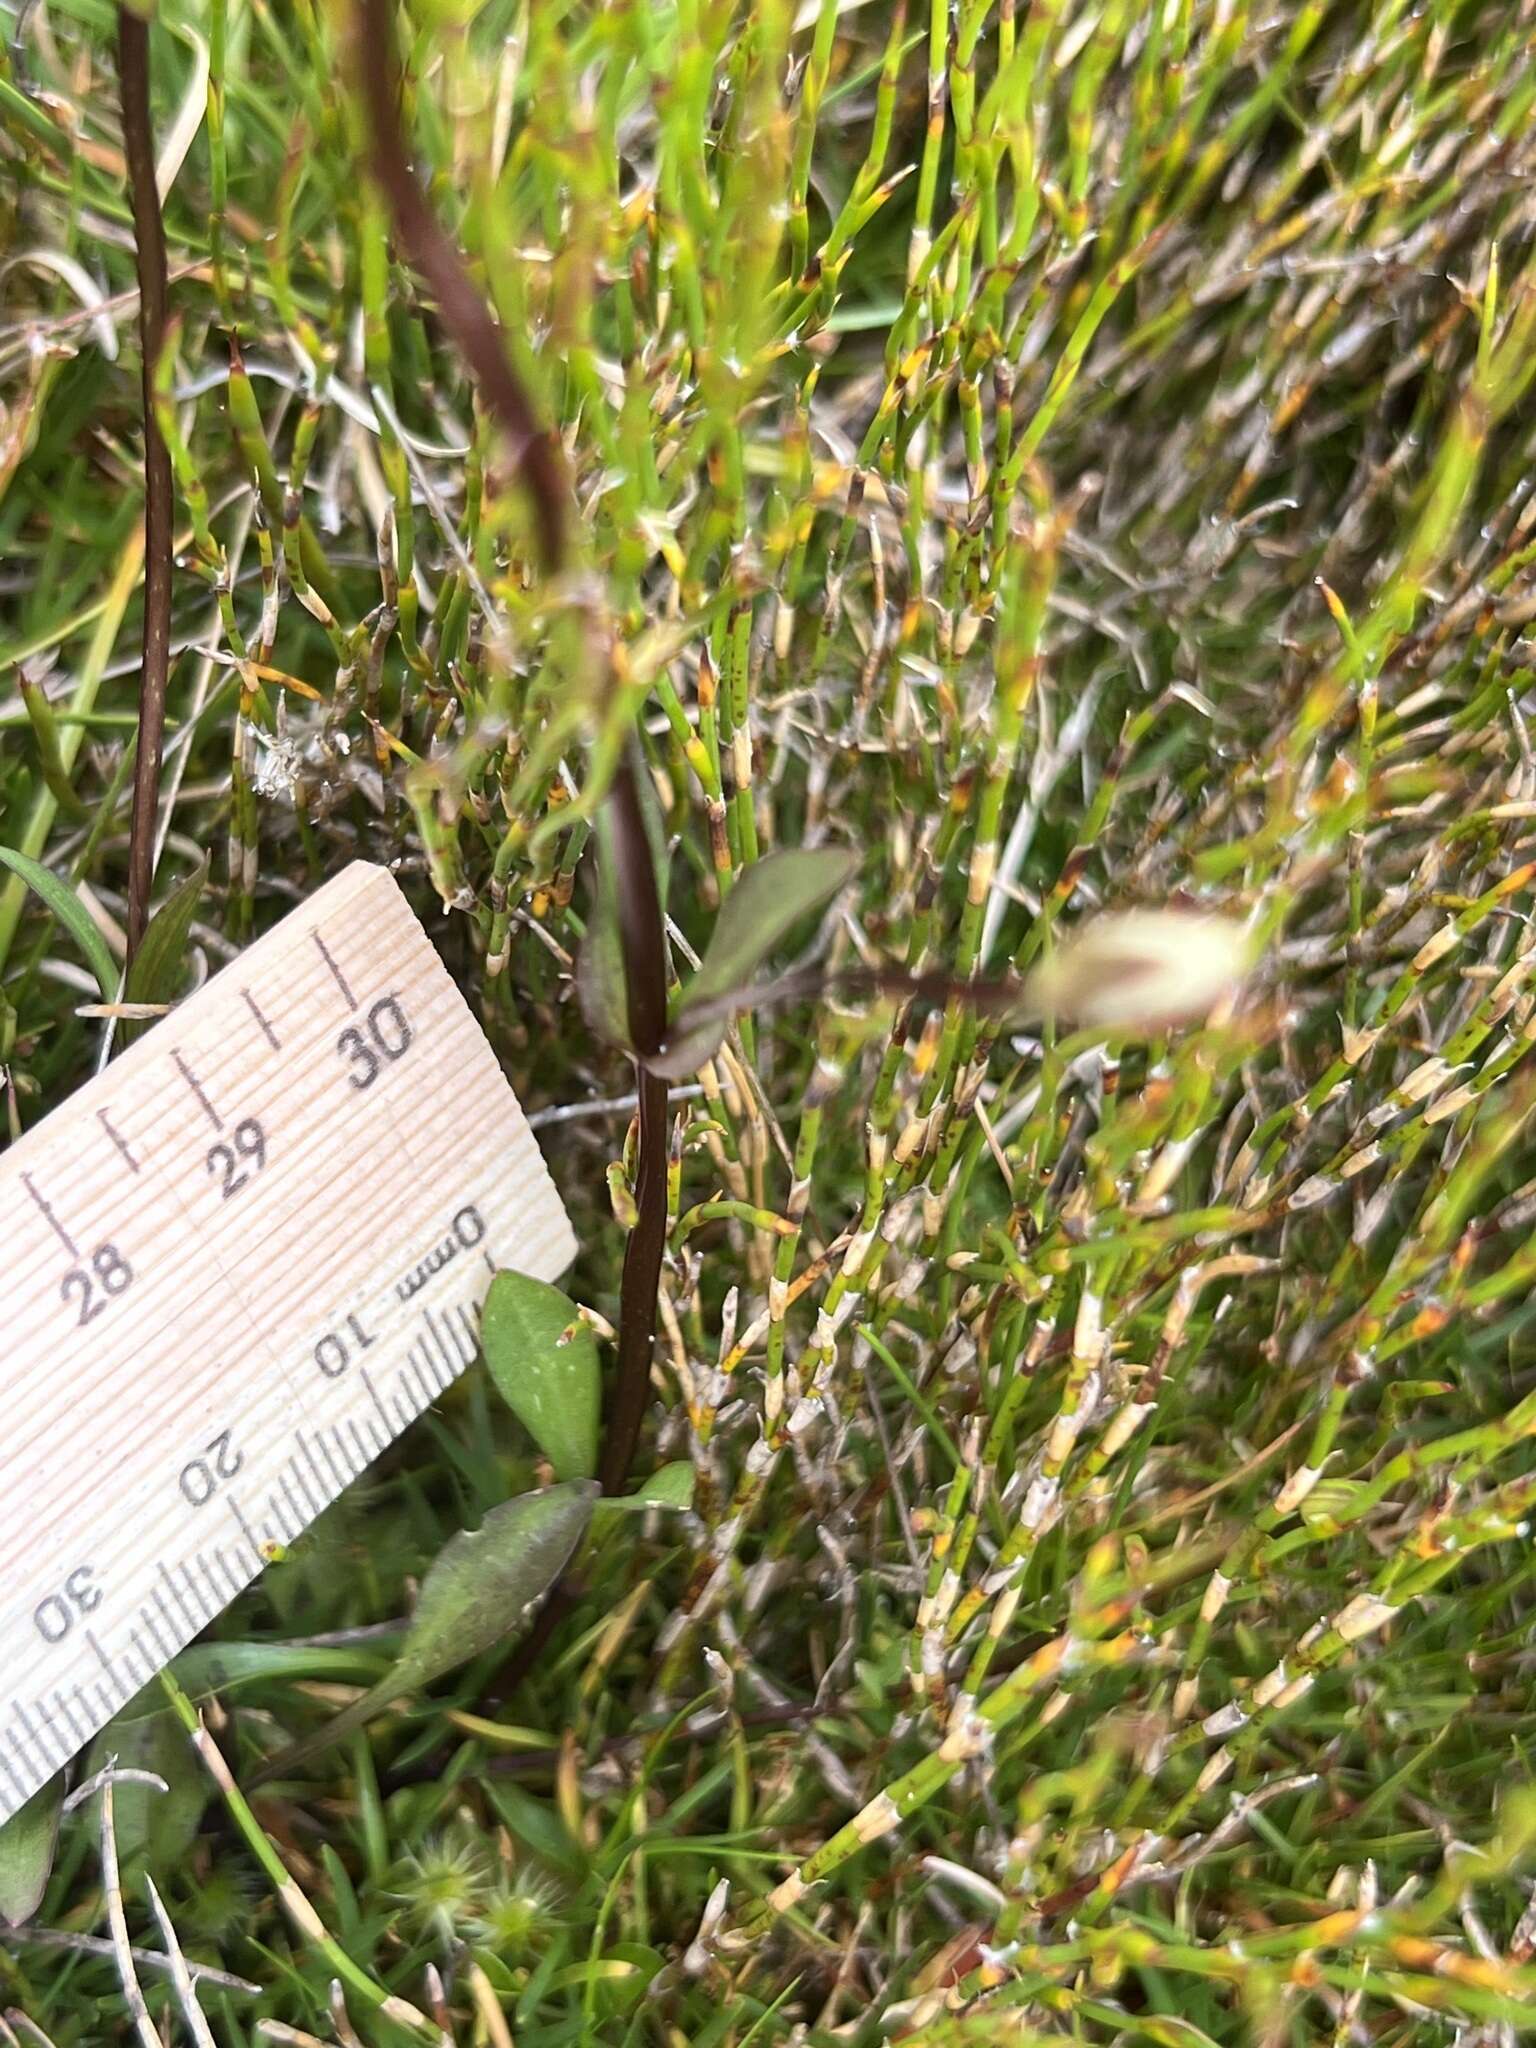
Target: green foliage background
[[1074, 456]]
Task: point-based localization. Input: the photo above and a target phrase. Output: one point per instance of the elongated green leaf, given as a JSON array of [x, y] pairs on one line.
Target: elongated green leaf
[[222, 1667], [158, 969], [770, 899], [26, 1853], [669, 1487], [537, 1825], [71, 913], [543, 1358], [483, 1584]]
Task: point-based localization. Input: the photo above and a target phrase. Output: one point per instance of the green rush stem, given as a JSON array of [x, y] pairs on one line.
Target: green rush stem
[[218, 165], [1006, 1578], [813, 85], [1088, 1647], [925, 1650], [50, 752], [1019, 1386], [825, 1082], [297, 1906], [904, 330], [34, 833]]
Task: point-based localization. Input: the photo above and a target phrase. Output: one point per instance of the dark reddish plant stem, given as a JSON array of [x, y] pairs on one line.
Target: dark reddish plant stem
[[643, 939], [149, 255], [638, 1286], [537, 458], [462, 309]]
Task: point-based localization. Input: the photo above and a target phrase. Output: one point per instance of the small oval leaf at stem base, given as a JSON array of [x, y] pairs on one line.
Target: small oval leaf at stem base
[[159, 1826], [26, 1853], [483, 1584], [543, 1358]]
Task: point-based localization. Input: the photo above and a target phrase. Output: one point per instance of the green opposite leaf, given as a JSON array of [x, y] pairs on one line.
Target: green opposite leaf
[[66, 906], [670, 1487], [485, 1582], [766, 904], [156, 975], [146, 1736], [543, 1359], [768, 901], [26, 1853], [482, 1585], [602, 987]]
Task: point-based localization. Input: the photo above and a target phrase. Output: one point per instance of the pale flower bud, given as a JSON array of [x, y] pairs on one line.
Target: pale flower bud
[[1142, 971]]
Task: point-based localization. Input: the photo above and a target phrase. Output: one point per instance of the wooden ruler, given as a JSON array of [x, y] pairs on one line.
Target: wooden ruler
[[238, 1264]]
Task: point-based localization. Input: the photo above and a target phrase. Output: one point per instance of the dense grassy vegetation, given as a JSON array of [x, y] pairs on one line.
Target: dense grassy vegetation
[[1076, 457]]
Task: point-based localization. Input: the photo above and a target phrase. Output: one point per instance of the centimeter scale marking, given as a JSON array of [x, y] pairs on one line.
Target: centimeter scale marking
[[239, 1263]]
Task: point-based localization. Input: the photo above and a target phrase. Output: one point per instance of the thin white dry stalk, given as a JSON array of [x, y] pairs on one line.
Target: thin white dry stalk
[[341, 2019], [117, 1919], [146, 1959], [30, 2028], [181, 1975]]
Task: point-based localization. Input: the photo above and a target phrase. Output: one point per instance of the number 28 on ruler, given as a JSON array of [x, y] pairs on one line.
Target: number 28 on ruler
[[385, 1035], [246, 1256]]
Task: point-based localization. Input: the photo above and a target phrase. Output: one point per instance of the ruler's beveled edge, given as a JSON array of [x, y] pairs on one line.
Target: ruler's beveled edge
[[358, 878]]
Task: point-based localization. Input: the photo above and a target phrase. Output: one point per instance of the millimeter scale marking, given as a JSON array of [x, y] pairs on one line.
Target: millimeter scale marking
[[239, 1262]]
